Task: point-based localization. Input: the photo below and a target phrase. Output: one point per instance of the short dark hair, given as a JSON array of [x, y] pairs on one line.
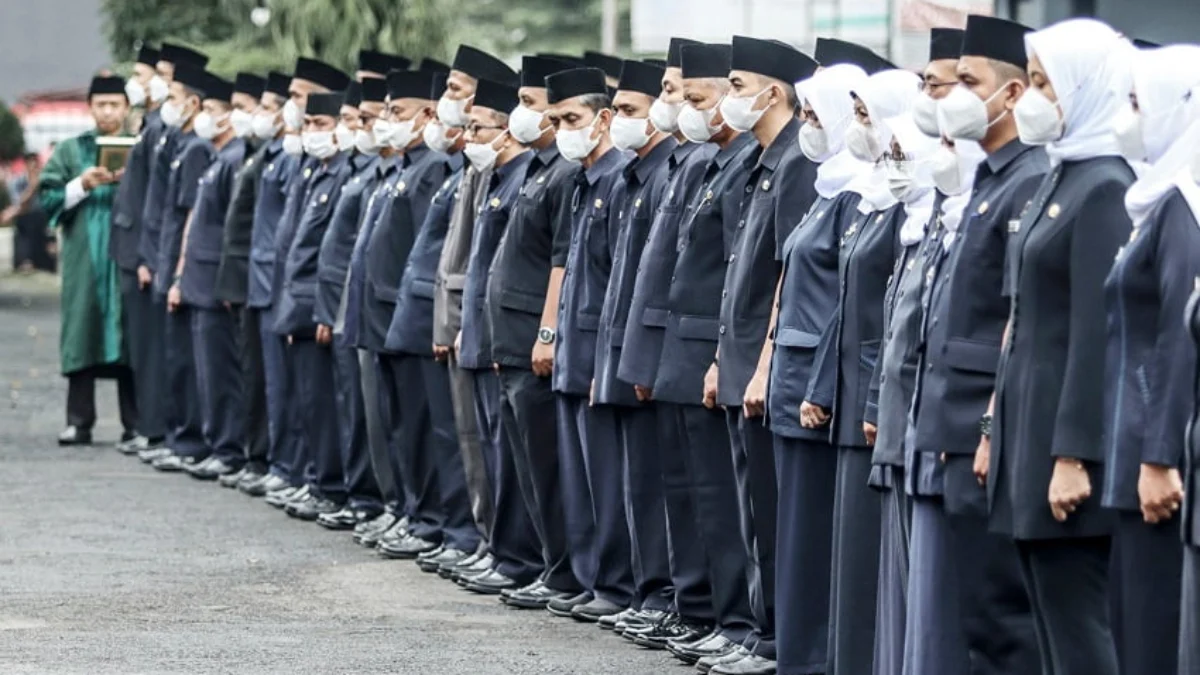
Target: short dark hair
[[192, 91], [1006, 71], [595, 102], [500, 118], [789, 92]]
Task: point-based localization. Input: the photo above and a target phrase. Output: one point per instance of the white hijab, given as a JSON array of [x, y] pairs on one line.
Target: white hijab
[[971, 155], [918, 203], [828, 92], [1087, 62], [1167, 84], [886, 94]]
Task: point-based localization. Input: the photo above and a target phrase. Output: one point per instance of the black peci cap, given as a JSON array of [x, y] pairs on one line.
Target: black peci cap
[[771, 58], [945, 43], [218, 89], [106, 84], [324, 104], [483, 66], [567, 84], [611, 65], [1145, 44], [998, 39], [644, 78], [410, 84], [675, 51], [193, 77], [278, 83], [831, 52], [701, 60], [353, 95], [661, 63], [575, 61], [378, 62], [437, 85], [176, 54], [249, 84], [321, 73], [433, 66], [374, 89], [535, 69], [499, 97], [148, 56]]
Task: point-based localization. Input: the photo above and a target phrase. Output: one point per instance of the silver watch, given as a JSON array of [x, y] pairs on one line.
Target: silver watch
[[546, 335]]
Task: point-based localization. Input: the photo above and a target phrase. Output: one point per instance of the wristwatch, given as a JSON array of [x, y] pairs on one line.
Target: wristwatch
[[985, 425], [546, 335]]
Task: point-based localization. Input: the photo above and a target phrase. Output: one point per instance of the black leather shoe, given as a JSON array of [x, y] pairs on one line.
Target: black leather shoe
[[407, 548], [620, 619], [592, 611], [302, 496], [463, 571], [717, 652], [150, 454], [313, 508], [534, 596], [715, 645], [368, 533], [174, 463], [472, 564], [564, 606], [279, 498], [749, 665], [448, 556], [489, 583], [641, 620], [674, 629], [212, 469], [261, 486], [74, 435], [344, 519]]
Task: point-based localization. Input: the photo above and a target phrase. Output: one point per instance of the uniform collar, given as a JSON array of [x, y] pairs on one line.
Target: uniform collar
[[514, 165], [770, 156], [414, 155], [682, 151], [735, 147], [455, 160], [606, 163], [360, 162], [547, 155], [643, 167], [1000, 159], [234, 146]]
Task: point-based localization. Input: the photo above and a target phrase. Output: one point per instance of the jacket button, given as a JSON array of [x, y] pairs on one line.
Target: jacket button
[[732, 257], [722, 331]]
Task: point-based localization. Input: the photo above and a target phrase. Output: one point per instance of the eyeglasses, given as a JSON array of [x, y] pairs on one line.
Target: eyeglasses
[[474, 128]]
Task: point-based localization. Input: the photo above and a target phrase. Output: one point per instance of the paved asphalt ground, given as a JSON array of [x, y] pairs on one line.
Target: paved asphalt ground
[[107, 566]]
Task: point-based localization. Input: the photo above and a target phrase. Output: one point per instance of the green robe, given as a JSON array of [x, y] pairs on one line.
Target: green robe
[[91, 294]]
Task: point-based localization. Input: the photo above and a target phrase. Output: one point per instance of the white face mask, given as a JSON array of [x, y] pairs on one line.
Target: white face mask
[[482, 155], [629, 133], [576, 144], [665, 116], [242, 122], [453, 112], [435, 137], [1127, 128], [525, 124], [402, 134], [901, 178], [205, 126], [293, 116], [292, 145], [964, 115], [739, 112], [925, 114], [947, 173], [344, 136], [319, 144], [364, 142], [172, 114], [382, 131], [697, 125], [1038, 120], [862, 142], [135, 92], [266, 125], [158, 89], [814, 143]]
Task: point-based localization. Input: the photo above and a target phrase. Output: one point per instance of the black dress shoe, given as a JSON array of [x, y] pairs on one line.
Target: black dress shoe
[[592, 611], [212, 469], [345, 519], [368, 533], [538, 583], [463, 572], [707, 663], [407, 548], [311, 509], [676, 628], [618, 620], [564, 606], [150, 454], [173, 463], [74, 435], [302, 496], [489, 583], [641, 620], [750, 665], [533, 597], [718, 646], [262, 485], [452, 570], [448, 556]]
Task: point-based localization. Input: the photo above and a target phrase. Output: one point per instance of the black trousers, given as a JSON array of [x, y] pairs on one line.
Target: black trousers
[[143, 328], [687, 559], [254, 388], [1147, 571], [318, 404], [408, 428], [753, 448], [1067, 580], [1189, 620], [81, 396], [645, 507]]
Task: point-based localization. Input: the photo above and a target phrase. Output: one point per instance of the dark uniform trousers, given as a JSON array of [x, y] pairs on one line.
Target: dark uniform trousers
[[578, 426], [143, 335], [185, 417], [1147, 571], [408, 426], [1189, 620], [219, 369], [375, 413], [81, 395], [441, 443], [855, 573], [281, 403], [297, 443], [687, 560], [314, 381], [892, 599], [753, 448], [254, 389], [479, 475], [529, 452], [645, 507], [935, 642], [359, 480]]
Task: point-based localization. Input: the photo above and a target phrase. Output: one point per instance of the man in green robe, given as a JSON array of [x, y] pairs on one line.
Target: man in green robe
[[77, 195]]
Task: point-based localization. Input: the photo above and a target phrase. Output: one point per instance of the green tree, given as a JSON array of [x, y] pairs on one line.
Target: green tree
[[12, 137], [195, 22], [529, 26]]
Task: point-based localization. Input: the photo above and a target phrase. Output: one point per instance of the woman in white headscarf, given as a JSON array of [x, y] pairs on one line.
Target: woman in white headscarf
[[1150, 362], [845, 362], [1047, 452], [805, 460]]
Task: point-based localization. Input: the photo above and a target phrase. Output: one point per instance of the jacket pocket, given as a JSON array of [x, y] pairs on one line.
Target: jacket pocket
[[794, 337], [422, 288], [204, 255], [699, 328], [520, 301], [652, 316], [973, 355], [304, 291], [587, 322]]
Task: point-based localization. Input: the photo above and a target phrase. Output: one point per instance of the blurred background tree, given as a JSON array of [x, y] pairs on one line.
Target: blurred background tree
[[335, 30], [12, 137]]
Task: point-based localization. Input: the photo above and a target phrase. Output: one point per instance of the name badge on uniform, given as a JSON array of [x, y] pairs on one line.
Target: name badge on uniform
[[766, 185], [599, 204], [324, 198], [401, 187], [1014, 226], [495, 203], [983, 208], [174, 164], [307, 172], [1054, 210], [541, 179]]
